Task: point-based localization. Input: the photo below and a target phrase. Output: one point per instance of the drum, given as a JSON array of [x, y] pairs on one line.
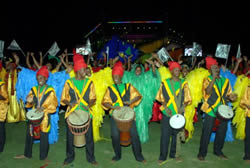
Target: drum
[[35, 118], [124, 118], [78, 123], [225, 112], [177, 121]]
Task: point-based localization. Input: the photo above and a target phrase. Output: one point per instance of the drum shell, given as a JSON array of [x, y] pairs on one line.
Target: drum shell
[[124, 125], [125, 138]]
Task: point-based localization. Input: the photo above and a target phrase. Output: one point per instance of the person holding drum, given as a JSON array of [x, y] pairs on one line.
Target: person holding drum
[[245, 104], [217, 92], [79, 95], [3, 112], [42, 99], [174, 95], [116, 96]]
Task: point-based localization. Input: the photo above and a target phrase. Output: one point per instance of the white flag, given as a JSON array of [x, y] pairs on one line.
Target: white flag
[[54, 49], [82, 50], [1, 48], [14, 46], [222, 51], [88, 46], [163, 54], [238, 52], [197, 50]]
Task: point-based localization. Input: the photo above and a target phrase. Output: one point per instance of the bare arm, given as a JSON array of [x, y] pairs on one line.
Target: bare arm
[[195, 60], [41, 58], [35, 61], [129, 62], [67, 57], [60, 63], [237, 65], [16, 58], [211, 84], [28, 60], [154, 55]]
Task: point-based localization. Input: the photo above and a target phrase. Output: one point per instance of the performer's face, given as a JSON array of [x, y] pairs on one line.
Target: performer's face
[[184, 71], [82, 72], [117, 79], [41, 80], [176, 72], [88, 72], [138, 71], [215, 68], [49, 66]]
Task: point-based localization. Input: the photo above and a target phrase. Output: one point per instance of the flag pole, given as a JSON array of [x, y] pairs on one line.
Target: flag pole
[[45, 54]]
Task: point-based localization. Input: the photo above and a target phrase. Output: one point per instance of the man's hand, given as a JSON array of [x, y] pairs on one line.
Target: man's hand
[[116, 107], [85, 108], [29, 99], [233, 97], [127, 103], [215, 73]]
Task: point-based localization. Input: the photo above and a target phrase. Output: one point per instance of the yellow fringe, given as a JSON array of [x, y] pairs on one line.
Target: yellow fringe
[[101, 80], [195, 80], [239, 119]]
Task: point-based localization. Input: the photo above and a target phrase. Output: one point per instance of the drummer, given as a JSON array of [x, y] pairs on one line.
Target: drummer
[[42, 98], [83, 88], [113, 100], [216, 91], [3, 112], [174, 95]]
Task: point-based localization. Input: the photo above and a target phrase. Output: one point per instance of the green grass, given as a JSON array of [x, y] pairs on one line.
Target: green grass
[[103, 151]]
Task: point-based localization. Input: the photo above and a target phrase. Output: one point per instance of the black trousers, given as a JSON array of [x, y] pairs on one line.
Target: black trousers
[[206, 133], [2, 135], [135, 141], [70, 149], [166, 132], [247, 140], [44, 144]]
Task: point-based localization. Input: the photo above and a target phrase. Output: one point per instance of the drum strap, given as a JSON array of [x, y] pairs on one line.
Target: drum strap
[[220, 90], [80, 97], [120, 92], [177, 101], [38, 93]]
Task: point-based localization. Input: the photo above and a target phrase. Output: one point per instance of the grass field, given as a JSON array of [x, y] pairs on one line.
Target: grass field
[[103, 151]]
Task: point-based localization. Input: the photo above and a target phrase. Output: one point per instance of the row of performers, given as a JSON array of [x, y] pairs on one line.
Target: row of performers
[[174, 95]]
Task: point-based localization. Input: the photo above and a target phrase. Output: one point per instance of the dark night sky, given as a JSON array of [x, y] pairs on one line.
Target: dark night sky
[[37, 24]]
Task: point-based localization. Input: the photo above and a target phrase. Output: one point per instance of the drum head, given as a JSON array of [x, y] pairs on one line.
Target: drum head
[[78, 117], [124, 113], [34, 115], [177, 121], [225, 111]]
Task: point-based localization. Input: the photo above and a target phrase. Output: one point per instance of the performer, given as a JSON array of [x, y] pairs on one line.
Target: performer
[[174, 95], [43, 99], [245, 104], [118, 95], [79, 93], [216, 91], [3, 112]]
